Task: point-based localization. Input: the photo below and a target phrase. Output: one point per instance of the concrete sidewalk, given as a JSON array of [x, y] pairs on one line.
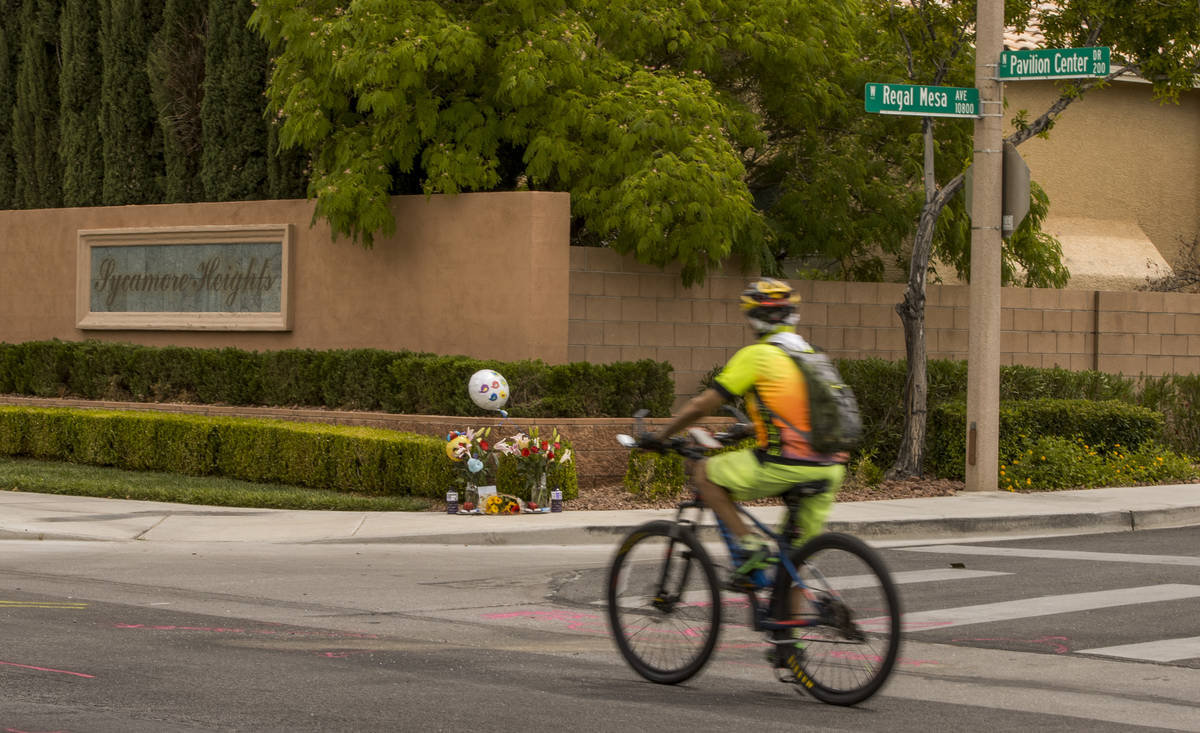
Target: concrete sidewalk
[[42, 516]]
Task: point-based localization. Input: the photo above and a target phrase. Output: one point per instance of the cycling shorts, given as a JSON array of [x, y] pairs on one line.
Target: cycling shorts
[[746, 478]]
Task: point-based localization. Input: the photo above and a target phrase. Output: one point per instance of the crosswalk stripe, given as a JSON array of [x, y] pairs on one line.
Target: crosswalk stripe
[[848, 582], [1163, 650], [943, 618], [1185, 560]]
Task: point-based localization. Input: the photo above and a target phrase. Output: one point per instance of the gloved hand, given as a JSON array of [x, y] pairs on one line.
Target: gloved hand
[[651, 442]]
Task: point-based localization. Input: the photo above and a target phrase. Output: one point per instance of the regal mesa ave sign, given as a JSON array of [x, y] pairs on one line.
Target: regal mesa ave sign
[[921, 101]]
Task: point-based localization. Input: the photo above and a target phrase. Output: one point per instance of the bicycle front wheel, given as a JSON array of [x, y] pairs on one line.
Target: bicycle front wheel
[[664, 605], [848, 651]]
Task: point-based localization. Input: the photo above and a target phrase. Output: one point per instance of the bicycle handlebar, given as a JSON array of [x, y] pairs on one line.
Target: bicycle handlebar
[[696, 446]]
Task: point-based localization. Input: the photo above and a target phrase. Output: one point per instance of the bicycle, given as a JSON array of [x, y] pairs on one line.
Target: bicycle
[[663, 595]]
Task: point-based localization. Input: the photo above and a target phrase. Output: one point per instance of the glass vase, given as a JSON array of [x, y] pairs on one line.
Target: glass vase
[[539, 495], [469, 501]]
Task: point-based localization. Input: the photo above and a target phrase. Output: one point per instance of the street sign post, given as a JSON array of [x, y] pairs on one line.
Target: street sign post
[[1054, 63], [921, 101]]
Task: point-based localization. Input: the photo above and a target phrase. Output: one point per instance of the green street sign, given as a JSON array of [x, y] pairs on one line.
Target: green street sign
[[921, 101], [1054, 63]]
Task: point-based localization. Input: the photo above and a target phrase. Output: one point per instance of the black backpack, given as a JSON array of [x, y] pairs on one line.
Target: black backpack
[[833, 409]]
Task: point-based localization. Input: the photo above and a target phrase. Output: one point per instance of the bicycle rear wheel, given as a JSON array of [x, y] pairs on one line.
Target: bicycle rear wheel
[[850, 651], [664, 605]]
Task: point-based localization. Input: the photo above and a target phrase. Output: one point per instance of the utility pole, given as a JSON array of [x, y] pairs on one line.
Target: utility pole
[[983, 338]]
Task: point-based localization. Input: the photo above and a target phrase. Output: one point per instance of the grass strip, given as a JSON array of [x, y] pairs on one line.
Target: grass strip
[[54, 477]]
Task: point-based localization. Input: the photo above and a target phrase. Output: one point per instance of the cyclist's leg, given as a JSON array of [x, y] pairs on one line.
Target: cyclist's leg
[[813, 513], [815, 510], [739, 476], [717, 498]]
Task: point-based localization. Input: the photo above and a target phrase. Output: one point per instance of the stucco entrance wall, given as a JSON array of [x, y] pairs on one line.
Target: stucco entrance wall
[[475, 274]]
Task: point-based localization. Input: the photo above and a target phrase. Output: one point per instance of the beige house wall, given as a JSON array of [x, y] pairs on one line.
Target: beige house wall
[[1118, 154], [622, 310], [476, 274]]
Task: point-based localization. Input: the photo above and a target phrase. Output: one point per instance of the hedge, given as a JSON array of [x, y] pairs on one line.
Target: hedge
[[1103, 423], [313, 455], [353, 379]]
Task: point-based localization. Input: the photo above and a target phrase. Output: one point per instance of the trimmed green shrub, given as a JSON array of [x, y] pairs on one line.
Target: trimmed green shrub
[[655, 476], [1177, 397], [314, 455], [350, 379], [1097, 423]]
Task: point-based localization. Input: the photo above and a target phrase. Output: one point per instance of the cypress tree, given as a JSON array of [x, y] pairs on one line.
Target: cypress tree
[[234, 158], [35, 113], [177, 80], [80, 147], [10, 12], [133, 158], [287, 168]]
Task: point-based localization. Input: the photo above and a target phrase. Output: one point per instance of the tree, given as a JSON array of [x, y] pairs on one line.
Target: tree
[[79, 106], [176, 69], [132, 140], [234, 130], [645, 111], [10, 14], [1157, 39], [35, 111]]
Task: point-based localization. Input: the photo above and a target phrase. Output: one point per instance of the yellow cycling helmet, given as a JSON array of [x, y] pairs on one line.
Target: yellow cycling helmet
[[769, 303]]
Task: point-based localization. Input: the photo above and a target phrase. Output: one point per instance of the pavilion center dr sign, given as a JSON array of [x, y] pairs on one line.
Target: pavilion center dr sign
[[234, 278], [921, 101], [1054, 63]]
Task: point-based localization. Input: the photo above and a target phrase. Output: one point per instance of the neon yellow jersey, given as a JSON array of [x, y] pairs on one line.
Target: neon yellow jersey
[[774, 388]]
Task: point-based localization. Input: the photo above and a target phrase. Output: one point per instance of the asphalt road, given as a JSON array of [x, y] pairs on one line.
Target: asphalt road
[[1064, 633]]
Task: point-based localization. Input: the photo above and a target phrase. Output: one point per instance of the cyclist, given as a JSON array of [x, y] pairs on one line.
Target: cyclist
[[777, 403]]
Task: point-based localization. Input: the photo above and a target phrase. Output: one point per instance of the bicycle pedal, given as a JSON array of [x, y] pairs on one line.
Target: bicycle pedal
[[740, 584]]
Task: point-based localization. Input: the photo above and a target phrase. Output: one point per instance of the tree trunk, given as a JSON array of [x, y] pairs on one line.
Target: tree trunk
[[911, 456]]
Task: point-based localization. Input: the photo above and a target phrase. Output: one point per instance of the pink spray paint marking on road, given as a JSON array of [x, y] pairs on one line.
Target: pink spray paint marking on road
[[266, 632], [1057, 644], [48, 669]]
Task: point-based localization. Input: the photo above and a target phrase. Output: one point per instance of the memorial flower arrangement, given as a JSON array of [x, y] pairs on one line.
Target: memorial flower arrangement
[[535, 456], [470, 454], [501, 504]]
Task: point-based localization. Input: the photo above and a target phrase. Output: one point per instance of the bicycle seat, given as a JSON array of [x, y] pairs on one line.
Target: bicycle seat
[[806, 488]]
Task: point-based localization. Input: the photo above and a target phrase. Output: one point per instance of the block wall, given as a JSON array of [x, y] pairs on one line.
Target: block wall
[[622, 310]]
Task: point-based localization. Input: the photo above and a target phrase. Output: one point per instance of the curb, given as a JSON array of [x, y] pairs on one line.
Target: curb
[[900, 529]]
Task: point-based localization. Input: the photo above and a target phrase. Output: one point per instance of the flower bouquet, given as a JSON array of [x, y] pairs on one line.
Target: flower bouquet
[[470, 452], [502, 504], [534, 457]]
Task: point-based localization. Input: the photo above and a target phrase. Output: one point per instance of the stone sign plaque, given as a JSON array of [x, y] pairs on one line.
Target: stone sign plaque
[[200, 278]]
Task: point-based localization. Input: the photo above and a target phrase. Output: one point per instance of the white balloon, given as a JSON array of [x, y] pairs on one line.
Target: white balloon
[[488, 389]]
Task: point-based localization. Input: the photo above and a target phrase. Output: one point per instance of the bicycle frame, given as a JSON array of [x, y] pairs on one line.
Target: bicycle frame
[[760, 613]]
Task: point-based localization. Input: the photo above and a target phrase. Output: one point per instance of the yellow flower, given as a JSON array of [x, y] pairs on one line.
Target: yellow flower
[[1028, 481]]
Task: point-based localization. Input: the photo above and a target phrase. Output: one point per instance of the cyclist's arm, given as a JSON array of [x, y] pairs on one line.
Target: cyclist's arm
[[701, 405]]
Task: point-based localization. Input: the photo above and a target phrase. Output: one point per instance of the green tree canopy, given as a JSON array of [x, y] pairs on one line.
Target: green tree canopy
[[646, 112]]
